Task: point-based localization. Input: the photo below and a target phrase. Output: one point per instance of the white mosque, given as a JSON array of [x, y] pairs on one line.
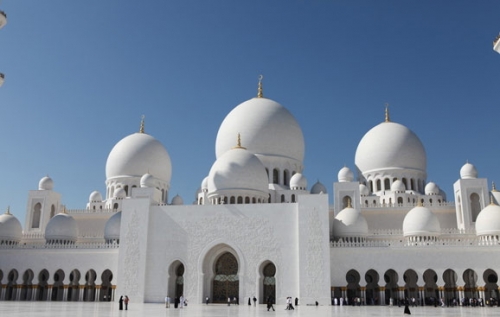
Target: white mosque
[[254, 227]]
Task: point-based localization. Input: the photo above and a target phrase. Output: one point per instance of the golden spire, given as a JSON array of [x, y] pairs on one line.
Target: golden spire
[[387, 116], [238, 144], [141, 129], [493, 187], [8, 211], [260, 93], [349, 205]]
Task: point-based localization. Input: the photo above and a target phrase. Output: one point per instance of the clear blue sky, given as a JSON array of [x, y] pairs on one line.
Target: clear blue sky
[[79, 75]]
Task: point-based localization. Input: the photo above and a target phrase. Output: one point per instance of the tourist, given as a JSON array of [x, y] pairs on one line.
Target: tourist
[[120, 303], [270, 303], [167, 302], [254, 301], [407, 307], [126, 300]]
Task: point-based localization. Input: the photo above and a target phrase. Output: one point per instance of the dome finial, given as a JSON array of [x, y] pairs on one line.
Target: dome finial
[[387, 116], [493, 187], [141, 129], [349, 205], [8, 211], [238, 143], [260, 93], [492, 201]]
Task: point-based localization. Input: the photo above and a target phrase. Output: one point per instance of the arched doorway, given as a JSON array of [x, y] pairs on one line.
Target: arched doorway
[[372, 288], [268, 282], [470, 279], [89, 290], [353, 289], [431, 291], [450, 287], [43, 288], [176, 279], [411, 289], [74, 286], [491, 287], [11, 290], [106, 287], [391, 287], [26, 290], [58, 287], [226, 283]]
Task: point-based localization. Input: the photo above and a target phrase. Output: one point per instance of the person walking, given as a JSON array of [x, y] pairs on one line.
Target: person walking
[[167, 302], [270, 303], [120, 303], [407, 307], [254, 301], [126, 300]]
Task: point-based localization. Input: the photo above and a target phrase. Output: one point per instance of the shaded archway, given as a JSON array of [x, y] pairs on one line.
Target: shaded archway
[[106, 287], [226, 282], [431, 291], [58, 286], [490, 277], [176, 279], [74, 286], [372, 288], [470, 288], [11, 290], [268, 281], [450, 287], [27, 288], [391, 286], [353, 289], [411, 289], [89, 290], [43, 287]]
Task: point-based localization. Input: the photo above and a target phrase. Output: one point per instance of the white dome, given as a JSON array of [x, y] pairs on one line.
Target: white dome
[[398, 186], [112, 228], [204, 184], [61, 227], [345, 175], [298, 182], [46, 183], [468, 171], [10, 228], [318, 188], [147, 180], [177, 200], [363, 190], [120, 193], [3, 20], [350, 223], [95, 197], [432, 189], [138, 154], [266, 127], [238, 169], [488, 221], [421, 221], [390, 146]]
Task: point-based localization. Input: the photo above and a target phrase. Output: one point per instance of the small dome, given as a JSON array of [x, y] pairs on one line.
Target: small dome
[[95, 197], [3, 19], [350, 223], [61, 227], [112, 228], [46, 183], [10, 228], [238, 170], [363, 190], [177, 200], [345, 175], [147, 180], [432, 189], [421, 221], [204, 184], [488, 221], [120, 193], [468, 171], [398, 186], [318, 188], [298, 182]]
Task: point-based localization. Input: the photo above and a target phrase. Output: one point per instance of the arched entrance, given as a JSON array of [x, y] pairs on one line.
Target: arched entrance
[[11, 290], [353, 289], [450, 287], [491, 287], [225, 283], [372, 288], [176, 279], [58, 287], [431, 291], [89, 289], [74, 286], [391, 287], [106, 287], [268, 282], [43, 288], [26, 290], [470, 279], [411, 289]]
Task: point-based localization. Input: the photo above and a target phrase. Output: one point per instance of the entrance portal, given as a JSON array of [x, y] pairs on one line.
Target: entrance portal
[[225, 284]]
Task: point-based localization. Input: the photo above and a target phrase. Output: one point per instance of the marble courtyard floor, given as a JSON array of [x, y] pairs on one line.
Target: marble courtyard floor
[[83, 309]]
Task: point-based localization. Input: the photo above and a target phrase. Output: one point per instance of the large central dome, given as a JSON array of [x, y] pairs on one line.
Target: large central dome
[[390, 146], [138, 154], [267, 128]]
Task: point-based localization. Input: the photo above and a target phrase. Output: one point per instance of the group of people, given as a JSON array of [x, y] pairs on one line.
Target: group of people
[[178, 302], [123, 300], [233, 300], [289, 305]]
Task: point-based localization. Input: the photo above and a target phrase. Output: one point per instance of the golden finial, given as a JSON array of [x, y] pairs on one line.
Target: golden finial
[[260, 94], [141, 129], [492, 202], [493, 187], [238, 144], [387, 116], [349, 205], [8, 211]]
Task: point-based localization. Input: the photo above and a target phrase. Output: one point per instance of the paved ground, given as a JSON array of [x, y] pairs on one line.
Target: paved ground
[[77, 309]]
